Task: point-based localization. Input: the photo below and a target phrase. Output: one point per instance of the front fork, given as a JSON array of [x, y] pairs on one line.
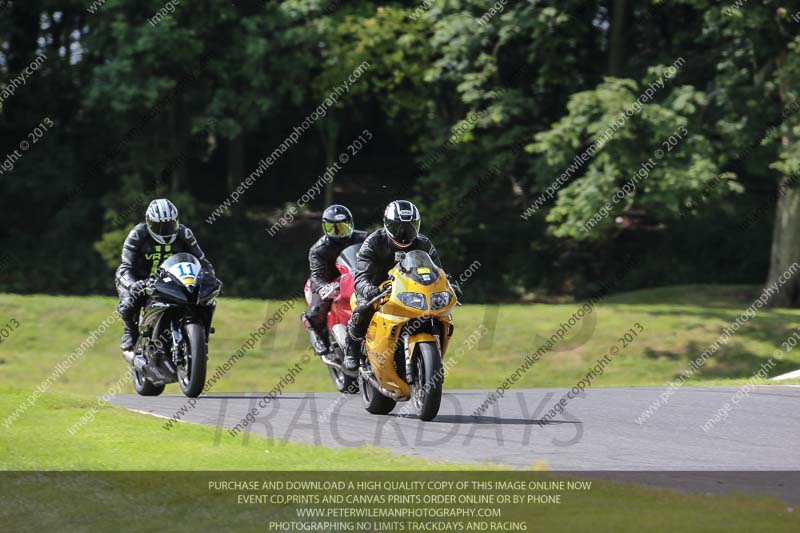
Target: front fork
[[409, 346], [177, 343], [410, 373]]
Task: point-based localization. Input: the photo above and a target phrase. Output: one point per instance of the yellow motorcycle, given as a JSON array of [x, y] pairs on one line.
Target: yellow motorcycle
[[408, 337]]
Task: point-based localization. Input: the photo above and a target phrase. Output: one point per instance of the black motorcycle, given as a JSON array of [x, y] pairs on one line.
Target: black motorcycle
[[174, 328]]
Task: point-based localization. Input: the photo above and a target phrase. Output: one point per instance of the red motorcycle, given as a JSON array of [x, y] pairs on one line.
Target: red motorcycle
[[337, 320]]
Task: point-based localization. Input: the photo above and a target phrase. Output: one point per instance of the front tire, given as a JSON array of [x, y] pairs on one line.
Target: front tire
[[192, 374], [426, 392], [372, 400]]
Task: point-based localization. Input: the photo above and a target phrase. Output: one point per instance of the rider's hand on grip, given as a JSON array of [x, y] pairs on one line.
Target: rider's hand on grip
[[329, 291], [138, 287], [372, 292], [455, 286]]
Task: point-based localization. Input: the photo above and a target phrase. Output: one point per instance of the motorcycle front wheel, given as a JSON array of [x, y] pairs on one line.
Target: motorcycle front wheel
[[426, 392], [143, 386], [192, 373]]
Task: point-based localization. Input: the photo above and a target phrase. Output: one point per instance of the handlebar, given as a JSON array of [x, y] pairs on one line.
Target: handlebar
[[380, 296]]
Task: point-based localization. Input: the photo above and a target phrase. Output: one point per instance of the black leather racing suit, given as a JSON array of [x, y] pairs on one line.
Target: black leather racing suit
[[375, 259], [322, 262], [141, 257]]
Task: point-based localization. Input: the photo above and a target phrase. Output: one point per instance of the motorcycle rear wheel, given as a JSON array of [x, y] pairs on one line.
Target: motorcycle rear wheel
[[426, 392], [344, 383], [192, 374]]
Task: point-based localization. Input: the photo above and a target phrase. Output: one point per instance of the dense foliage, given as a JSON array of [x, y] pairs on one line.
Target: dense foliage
[[475, 110]]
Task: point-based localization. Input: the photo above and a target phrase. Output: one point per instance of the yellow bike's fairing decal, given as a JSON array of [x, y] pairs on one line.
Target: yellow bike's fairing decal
[[423, 270]]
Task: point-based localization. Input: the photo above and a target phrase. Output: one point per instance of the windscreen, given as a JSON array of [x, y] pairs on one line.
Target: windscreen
[[419, 266], [183, 266], [349, 256]]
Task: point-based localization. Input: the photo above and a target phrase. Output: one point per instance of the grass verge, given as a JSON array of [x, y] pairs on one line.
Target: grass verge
[[678, 322], [143, 500]]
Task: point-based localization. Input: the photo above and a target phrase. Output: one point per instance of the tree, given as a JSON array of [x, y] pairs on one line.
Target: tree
[[752, 52]]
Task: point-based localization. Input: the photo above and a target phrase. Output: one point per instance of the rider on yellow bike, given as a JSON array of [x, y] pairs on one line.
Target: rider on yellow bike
[[400, 233]]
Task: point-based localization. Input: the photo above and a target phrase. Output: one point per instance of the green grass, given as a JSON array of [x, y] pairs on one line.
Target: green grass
[[182, 502], [679, 323], [118, 439], [123, 444]]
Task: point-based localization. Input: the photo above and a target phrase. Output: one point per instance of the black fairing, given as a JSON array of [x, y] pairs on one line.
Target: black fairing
[[170, 289], [207, 288], [169, 305], [172, 301]]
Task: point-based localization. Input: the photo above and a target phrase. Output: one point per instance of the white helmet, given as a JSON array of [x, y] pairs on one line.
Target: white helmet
[[162, 221]]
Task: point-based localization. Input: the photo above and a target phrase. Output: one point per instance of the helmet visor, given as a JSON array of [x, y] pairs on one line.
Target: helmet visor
[[404, 232], [338, 230], [166, 229]]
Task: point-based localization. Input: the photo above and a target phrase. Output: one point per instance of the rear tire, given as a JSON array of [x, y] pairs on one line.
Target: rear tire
[[192, 376], [426, 392], [373, 401], [143, 386], [344, 383]]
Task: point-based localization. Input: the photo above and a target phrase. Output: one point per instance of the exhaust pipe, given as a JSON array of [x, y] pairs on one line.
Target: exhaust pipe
[[384, 391], [139, 363], [128, 356], [340, 334], [330, 362]]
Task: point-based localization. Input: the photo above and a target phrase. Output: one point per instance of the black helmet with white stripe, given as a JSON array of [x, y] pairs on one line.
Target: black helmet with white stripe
[[162, 221], [337, 222], [401, 221]]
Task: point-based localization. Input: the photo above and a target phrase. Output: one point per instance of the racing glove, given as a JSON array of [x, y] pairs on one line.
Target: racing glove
[[138, 287], [329, 291], [456, 287], [372, 292]]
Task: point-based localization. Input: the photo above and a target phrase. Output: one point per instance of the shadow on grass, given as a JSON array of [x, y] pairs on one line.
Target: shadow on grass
[[770, 326], [733, 361], [708, 296], [663, 354]]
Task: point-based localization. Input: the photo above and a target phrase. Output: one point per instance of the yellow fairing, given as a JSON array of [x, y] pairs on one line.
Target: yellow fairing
[[383, 335]]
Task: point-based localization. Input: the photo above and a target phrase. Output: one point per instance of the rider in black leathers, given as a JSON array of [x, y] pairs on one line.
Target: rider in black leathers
[[337, 223], [400, 232], [146, 247]]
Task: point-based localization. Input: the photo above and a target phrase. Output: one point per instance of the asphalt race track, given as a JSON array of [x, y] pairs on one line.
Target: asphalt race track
[[598, 432]]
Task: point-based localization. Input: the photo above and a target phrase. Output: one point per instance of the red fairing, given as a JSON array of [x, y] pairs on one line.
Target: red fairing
[[340, 308], [307, 291]]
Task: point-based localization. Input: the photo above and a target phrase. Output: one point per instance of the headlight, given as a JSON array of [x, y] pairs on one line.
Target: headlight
[[440, 299], [413, 299]]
